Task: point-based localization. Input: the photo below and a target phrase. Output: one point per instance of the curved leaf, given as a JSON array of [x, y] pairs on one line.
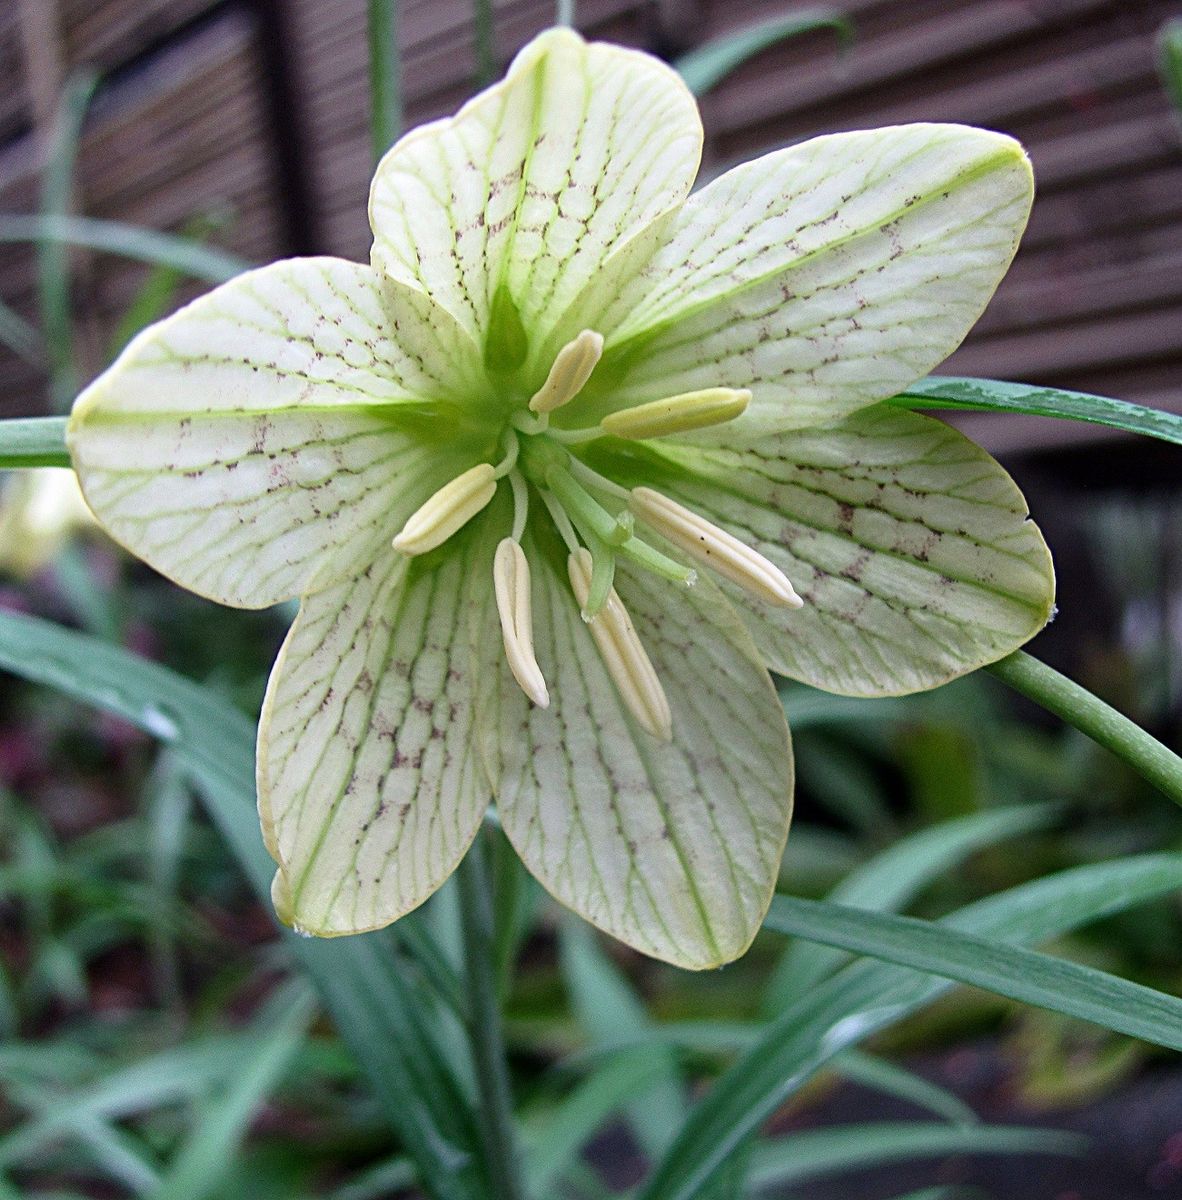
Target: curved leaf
[[995, 395], [707, 65], [360, 979], [868, 996]]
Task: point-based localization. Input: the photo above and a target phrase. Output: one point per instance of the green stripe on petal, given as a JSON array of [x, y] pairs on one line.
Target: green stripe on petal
[[671, 847], [911, 548], [369, 787], [823, 277], [248, 444], [536, 181]]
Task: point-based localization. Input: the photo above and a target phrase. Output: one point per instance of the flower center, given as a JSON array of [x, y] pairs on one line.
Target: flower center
[[596, 519]]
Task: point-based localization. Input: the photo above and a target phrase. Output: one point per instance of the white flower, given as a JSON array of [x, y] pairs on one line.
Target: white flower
[[566, 389]]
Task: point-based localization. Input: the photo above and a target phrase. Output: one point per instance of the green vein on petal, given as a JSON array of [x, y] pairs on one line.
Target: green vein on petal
[[823, 277], [671, 847], [910, 546], [534, 183], [247, 444], [369, 786]]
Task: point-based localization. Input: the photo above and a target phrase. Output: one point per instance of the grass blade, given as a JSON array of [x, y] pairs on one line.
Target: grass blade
[[53, 258], [891, 880], [385, 76], [892, 1080], [358, 978], [610, 1011], [867, 996], [994, 395], [206, 1157], [21, 337], [1169, 60], [580, 1115], [127, 241], [706, 66], [1024, 975], [805, 1156]]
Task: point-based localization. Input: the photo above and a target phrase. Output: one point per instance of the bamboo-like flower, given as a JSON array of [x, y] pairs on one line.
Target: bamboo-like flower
[[564, 471]]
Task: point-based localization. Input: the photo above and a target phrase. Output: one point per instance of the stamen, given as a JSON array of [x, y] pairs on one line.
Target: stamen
[[452, 507], [715, 548], [571, 370], [622, 653], [511, 585], [678, 414]]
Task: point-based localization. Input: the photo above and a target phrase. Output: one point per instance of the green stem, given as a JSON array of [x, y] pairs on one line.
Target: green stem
[[485, 1035], [1090, 715], [385, 76], [33, 442]]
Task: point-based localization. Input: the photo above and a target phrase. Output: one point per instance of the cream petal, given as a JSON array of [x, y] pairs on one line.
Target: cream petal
[[536, 181], [370, 789], [245, 442], [823, 277], [672, 847], [910, 547]]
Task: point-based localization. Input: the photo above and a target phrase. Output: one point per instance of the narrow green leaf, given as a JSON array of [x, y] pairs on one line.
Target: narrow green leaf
[[207, 1155], [892, 1080], [378, 1183], [816, 1152], [808, 708], [158, 291], [33, 442], [1024, 975], [890, 880], [994, 395], [610, 1011], [709, 64], [128, 241], [574, 1120], [482, 20], [866, 996], [359, 978]]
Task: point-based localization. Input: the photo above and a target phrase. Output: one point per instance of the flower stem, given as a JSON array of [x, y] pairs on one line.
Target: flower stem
[[33, 442], [485, 1035], [1090, 715]]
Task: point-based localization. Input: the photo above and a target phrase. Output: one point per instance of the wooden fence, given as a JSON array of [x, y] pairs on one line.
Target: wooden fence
[[259, 108]]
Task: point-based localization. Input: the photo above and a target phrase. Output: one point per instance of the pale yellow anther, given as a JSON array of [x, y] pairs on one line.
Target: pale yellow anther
[[571, 370], [678, 414], [622, 653], [714, 548], [511, 585], [452, 507]]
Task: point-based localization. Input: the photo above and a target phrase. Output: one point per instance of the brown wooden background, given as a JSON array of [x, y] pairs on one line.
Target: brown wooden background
[[260, 106]]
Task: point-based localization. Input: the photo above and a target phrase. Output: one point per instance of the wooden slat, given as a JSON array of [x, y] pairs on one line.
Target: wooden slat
[[184, 136]]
